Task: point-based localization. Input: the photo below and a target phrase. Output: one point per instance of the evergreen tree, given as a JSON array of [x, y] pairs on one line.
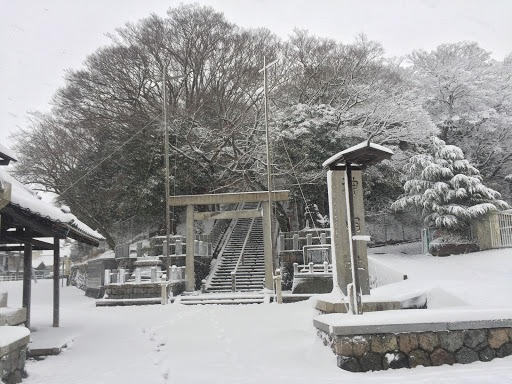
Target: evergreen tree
[[447, 188]]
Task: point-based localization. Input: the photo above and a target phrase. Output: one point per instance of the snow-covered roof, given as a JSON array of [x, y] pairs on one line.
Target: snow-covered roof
[[7, 154], [27, 200], [362, 151]]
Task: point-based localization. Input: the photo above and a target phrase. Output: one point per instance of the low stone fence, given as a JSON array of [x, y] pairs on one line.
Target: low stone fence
[[380, 347]]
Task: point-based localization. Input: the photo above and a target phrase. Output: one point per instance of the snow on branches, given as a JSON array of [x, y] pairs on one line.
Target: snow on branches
[[447, 188]]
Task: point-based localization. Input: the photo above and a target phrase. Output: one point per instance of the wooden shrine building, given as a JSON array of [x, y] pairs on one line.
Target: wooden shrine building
[[26, 222]]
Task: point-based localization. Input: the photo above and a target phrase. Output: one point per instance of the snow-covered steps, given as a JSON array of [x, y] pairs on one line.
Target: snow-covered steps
[[222, 299], [250, 275]]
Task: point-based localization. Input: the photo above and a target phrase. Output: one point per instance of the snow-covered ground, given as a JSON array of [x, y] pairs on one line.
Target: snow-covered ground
[[252, 343]]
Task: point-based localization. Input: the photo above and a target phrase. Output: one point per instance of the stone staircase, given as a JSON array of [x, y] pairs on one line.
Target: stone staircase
[[251, 274]]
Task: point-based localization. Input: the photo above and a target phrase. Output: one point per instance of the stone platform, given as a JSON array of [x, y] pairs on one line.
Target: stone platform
[[406, 339], [370, 304]]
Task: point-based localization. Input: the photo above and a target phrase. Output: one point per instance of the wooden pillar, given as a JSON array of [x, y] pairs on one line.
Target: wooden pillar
[[189, 283], [27, 275], [267, 246], [56, 292]]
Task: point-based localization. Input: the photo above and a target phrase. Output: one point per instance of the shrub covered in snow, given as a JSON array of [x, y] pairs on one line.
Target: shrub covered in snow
[[447, 188]]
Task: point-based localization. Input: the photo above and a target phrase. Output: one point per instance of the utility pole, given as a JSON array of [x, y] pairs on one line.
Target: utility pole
[[269, 164], [166, 156], [167, 170]]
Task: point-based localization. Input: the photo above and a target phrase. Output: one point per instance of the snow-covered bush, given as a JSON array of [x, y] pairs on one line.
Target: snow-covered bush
[[447, 189]]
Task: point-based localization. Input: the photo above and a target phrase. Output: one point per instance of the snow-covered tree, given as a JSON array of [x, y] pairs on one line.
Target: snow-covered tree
[[469, 97], [447, 188]]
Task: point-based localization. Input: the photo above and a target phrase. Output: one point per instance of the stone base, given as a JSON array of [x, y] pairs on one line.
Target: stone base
[[315, 283], [129, 291], [367, 343], [370, 304], [13, 353]]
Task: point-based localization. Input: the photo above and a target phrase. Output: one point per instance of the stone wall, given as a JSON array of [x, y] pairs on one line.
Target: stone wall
[[141, 291], [374, 352]]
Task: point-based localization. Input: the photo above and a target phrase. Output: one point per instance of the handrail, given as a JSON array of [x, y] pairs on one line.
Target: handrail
[[241, 257]]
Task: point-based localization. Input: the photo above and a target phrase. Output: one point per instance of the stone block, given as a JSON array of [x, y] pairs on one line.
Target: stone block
[[395, 360], [486, 354], [384, 343], [475, 337], [466, 356], [505, 350], [497, 337], [428, 341], [371, 361], [3, 299], [408, 342], [348, 363], [452, 340], [418, 357], [441, 356], [344, 346], [361, 345]]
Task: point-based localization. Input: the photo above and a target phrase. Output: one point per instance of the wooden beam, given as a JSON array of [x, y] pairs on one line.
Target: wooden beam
[[227, 198], [37, 244], [221, 215], [11, 248]]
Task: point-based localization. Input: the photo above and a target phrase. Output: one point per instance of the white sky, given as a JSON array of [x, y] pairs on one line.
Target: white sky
[[39, 39]]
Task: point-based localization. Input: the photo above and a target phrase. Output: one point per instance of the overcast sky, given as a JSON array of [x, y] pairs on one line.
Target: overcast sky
[[39, 39]]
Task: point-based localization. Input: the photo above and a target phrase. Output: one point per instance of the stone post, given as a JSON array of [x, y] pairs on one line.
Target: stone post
[[311, 268], [295, 268], [165, 249], [203, 286], [153, 275], [107, 277], [137, 276], [295, 241], [309, 239], [326, 267], [340, 242], [139, 249], [323, 239], [278, 280], [178, 247], [201, 248], [163, 290], [121, 276]]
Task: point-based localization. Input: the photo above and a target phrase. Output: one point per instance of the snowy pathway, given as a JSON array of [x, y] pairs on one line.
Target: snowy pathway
[[219, 344]]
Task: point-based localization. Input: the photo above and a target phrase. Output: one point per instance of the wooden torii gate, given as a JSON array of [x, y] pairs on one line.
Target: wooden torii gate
[[228, 198]]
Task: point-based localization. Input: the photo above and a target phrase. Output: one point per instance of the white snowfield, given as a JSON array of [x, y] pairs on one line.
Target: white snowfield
[[254, 343]]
